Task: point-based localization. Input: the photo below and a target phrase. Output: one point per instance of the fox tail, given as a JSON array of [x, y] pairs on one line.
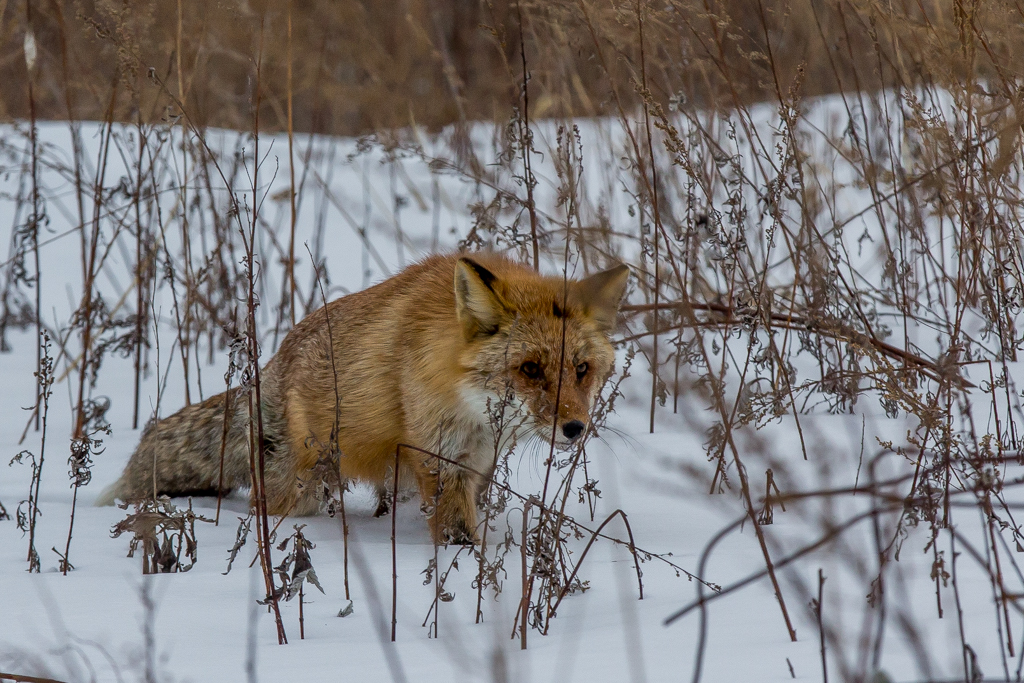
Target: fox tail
[[181, 455]]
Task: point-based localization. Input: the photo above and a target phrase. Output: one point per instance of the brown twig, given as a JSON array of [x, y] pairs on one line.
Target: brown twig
[[818, 607], [583, 555], [257, 450], [732, 316], [394, 549], [526, 142], [26, 679]]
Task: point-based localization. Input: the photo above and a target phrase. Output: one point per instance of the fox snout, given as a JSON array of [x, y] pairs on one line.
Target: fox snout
[[573, 429], [571, 424], [565, 432]]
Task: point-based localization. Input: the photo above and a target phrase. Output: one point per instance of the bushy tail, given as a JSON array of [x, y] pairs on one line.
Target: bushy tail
[[181, 454]]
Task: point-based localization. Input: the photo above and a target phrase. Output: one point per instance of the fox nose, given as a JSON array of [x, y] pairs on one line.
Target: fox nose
[[572, 429]]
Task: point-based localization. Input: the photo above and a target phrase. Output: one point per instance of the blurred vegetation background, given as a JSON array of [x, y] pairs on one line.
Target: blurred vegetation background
[[354, 66]]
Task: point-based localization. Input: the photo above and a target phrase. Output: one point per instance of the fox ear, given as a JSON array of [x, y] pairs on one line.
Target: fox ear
[[601, 295], [476, 303]]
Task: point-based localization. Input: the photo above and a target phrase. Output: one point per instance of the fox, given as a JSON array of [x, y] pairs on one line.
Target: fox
[[414, 365]]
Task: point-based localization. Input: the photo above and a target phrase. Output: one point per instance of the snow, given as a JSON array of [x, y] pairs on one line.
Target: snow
[[203, 625]]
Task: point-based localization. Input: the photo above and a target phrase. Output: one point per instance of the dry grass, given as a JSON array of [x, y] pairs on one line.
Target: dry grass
[[759, 296], [364, 66]]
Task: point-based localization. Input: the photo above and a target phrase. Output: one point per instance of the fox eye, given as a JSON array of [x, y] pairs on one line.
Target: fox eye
[[581, 370], [530, 369]]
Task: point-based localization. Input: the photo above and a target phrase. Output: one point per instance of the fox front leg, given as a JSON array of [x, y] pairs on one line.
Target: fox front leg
[[449, 495]]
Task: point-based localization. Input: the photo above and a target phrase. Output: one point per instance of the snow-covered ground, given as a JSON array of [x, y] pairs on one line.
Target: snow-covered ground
[[106, 621]]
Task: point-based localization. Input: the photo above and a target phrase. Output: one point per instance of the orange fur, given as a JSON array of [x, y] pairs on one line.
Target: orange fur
[[418, 360]]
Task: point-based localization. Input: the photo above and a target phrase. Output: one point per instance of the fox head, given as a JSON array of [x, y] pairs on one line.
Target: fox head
[[541, 341]]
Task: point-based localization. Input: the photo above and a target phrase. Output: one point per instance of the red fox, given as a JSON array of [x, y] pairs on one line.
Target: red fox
[[418, 360]]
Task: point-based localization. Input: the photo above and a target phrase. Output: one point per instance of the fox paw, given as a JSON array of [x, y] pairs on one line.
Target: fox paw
[[458, 534]]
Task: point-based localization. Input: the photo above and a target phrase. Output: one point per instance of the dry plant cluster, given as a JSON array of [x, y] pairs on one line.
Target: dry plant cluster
[[792, 255]]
